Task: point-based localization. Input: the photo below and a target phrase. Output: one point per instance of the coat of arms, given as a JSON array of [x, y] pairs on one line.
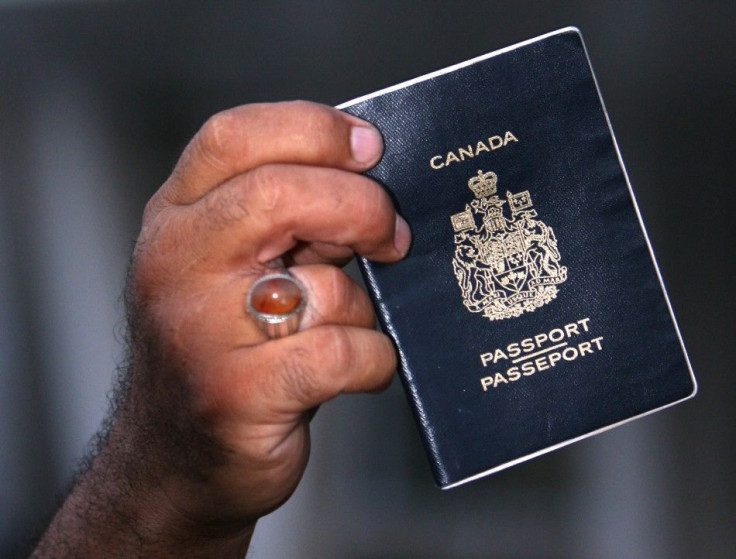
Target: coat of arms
[[504, 267]]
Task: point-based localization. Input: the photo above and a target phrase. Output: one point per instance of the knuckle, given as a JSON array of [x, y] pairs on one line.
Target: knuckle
[[154, 205], [377, 213], [267, 186], [341, 291], [317, 373], [216, 137], [320, 125], [340, 349], [307, 110], [301, 106], [323, 122]]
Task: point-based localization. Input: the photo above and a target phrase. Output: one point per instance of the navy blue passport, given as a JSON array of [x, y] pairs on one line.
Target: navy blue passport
[[529, 312]]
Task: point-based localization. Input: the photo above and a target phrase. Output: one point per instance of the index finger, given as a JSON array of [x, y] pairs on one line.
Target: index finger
[[246, 137]]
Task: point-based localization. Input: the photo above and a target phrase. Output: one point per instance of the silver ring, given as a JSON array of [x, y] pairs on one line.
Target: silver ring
[[276, 301]]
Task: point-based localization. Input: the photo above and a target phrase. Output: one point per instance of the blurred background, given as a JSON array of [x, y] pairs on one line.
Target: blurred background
[[98, 98]]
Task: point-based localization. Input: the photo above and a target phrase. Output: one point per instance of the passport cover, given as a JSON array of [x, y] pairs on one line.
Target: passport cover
[[529, 312]]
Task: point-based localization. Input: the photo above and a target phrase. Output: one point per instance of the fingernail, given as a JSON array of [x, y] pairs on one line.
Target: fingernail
[[402, 236], [366, 144]]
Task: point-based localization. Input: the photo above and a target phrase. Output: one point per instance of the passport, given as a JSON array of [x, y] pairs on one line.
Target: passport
[[529, 312]]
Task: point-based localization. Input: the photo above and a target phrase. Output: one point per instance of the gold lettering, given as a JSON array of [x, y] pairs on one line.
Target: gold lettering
[[495, 142], [584, 348], [433, 162], [469, 151], [540, 352], [527, 344], [466, 152], [553, 336], [499, 354], [509, 137], [485, 358], [528, 369]]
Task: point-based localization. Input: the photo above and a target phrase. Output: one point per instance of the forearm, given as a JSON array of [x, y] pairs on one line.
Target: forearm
[[118, 508], [73, 533]]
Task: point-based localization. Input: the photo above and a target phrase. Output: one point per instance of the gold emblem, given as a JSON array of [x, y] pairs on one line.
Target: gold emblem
[[504, 267]]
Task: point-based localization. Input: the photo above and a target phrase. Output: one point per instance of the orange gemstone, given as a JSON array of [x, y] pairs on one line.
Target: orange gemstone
[[275, 296]]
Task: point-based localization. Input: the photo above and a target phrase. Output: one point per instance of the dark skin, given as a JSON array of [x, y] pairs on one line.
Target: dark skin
[[211, 427]]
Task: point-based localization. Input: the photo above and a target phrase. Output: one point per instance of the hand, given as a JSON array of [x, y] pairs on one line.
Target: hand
[[212, 431]]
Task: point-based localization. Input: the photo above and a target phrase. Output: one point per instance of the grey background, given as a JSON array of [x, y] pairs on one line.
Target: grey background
[[98, 98]]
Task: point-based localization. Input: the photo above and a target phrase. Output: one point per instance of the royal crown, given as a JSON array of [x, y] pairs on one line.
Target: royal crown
[[484, 184]]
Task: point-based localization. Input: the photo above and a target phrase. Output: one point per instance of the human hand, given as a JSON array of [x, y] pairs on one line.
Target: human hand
[[213, 429]]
